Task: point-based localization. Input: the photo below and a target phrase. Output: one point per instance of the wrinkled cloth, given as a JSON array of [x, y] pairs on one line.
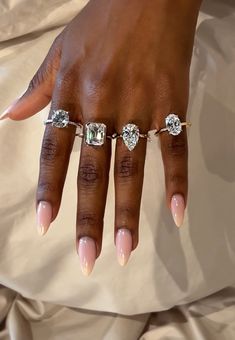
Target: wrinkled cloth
[[211, 318], [171, 266]]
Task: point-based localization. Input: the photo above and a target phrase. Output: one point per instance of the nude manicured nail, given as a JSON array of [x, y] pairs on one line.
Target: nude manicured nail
[[123, 245], [87, 254], [177, 209], [44, 216], [6, 113]]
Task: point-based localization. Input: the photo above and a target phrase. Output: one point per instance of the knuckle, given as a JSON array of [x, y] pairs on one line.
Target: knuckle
[[127, 167], [96, 86], [177, 180], [45, 187], [37, 79], [65, 77], [49, 150], [89, 173], [165, 86], [177, 146], [126, 212], [87, 219]]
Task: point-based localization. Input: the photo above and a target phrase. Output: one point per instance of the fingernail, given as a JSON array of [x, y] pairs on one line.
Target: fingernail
[[123, 245], [177, 209], [87, 254], [4, 115], [44, 216]]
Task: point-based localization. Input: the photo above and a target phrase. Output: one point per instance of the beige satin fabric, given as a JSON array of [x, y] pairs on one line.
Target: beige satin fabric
[[19, 17], [211, 318], [171, 266]]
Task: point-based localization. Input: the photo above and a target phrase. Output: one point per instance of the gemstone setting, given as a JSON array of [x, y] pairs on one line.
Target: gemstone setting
[[173, 124], [95, 133], [60, 118], [130, 136]]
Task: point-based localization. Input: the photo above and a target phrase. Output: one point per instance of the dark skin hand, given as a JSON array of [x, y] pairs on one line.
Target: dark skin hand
[[116, 62]]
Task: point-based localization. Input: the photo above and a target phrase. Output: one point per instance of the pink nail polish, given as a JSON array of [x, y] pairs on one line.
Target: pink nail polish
[[87, 254], [6, 113], [177, 209], [44, 216], [123, 245]]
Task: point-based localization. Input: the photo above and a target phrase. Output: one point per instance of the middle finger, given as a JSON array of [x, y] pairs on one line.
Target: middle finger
[[92, 191]]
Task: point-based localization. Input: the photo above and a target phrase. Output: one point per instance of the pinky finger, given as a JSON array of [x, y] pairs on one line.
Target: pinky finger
[[175, 158]]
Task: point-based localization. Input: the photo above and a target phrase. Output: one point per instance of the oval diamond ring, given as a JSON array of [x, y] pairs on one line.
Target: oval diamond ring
[[173, 125]]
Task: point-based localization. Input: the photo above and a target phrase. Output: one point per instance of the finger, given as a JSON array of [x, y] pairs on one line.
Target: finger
[[55, 153], [40, 88], [92, 190], [129, 173], [175, 159]]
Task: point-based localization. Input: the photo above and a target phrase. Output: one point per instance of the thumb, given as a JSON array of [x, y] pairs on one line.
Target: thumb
[[40, 88]]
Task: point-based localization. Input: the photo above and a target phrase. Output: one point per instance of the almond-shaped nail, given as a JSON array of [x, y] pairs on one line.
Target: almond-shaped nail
[[177, 209], [6, 113], [123, 245], [44, 216], [87, 254]]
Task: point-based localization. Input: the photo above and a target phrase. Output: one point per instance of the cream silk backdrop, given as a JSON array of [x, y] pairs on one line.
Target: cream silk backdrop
[[170, 266]]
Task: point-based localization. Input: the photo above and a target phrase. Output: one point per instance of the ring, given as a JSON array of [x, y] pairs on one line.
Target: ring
[[60, 119], [95, 134], [173, 125], [130, 135]]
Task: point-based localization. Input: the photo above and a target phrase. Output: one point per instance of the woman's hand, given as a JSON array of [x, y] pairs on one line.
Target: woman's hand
[[118, 61]]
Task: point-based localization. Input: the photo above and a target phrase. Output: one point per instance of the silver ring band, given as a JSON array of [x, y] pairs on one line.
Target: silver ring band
[[95, 133], [60, 119], [50, 121]]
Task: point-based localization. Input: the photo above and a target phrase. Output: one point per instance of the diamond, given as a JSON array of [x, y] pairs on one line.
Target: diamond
[[60, 118], [130, 135], [95, 133], [173, 124]]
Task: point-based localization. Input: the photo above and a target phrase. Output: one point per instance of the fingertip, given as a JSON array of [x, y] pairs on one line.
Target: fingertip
[[27, 105], [44, 217], [6, 113], [178, 209], [123, 245], [86, 249]]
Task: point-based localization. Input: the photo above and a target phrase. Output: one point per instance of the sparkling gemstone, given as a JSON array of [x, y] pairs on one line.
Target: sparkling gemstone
[[95, 133], [60, 118], [173, 124], [130, 135]]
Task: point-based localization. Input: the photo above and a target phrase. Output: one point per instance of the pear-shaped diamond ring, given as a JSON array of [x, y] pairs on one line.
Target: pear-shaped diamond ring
[[130, 135]]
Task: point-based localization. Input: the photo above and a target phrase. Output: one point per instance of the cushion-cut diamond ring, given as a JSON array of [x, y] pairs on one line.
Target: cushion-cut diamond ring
[[173, 125], [60, 119]]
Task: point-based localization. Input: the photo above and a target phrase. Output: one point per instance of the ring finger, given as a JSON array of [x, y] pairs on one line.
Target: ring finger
[[129, 173], [92, 186]]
